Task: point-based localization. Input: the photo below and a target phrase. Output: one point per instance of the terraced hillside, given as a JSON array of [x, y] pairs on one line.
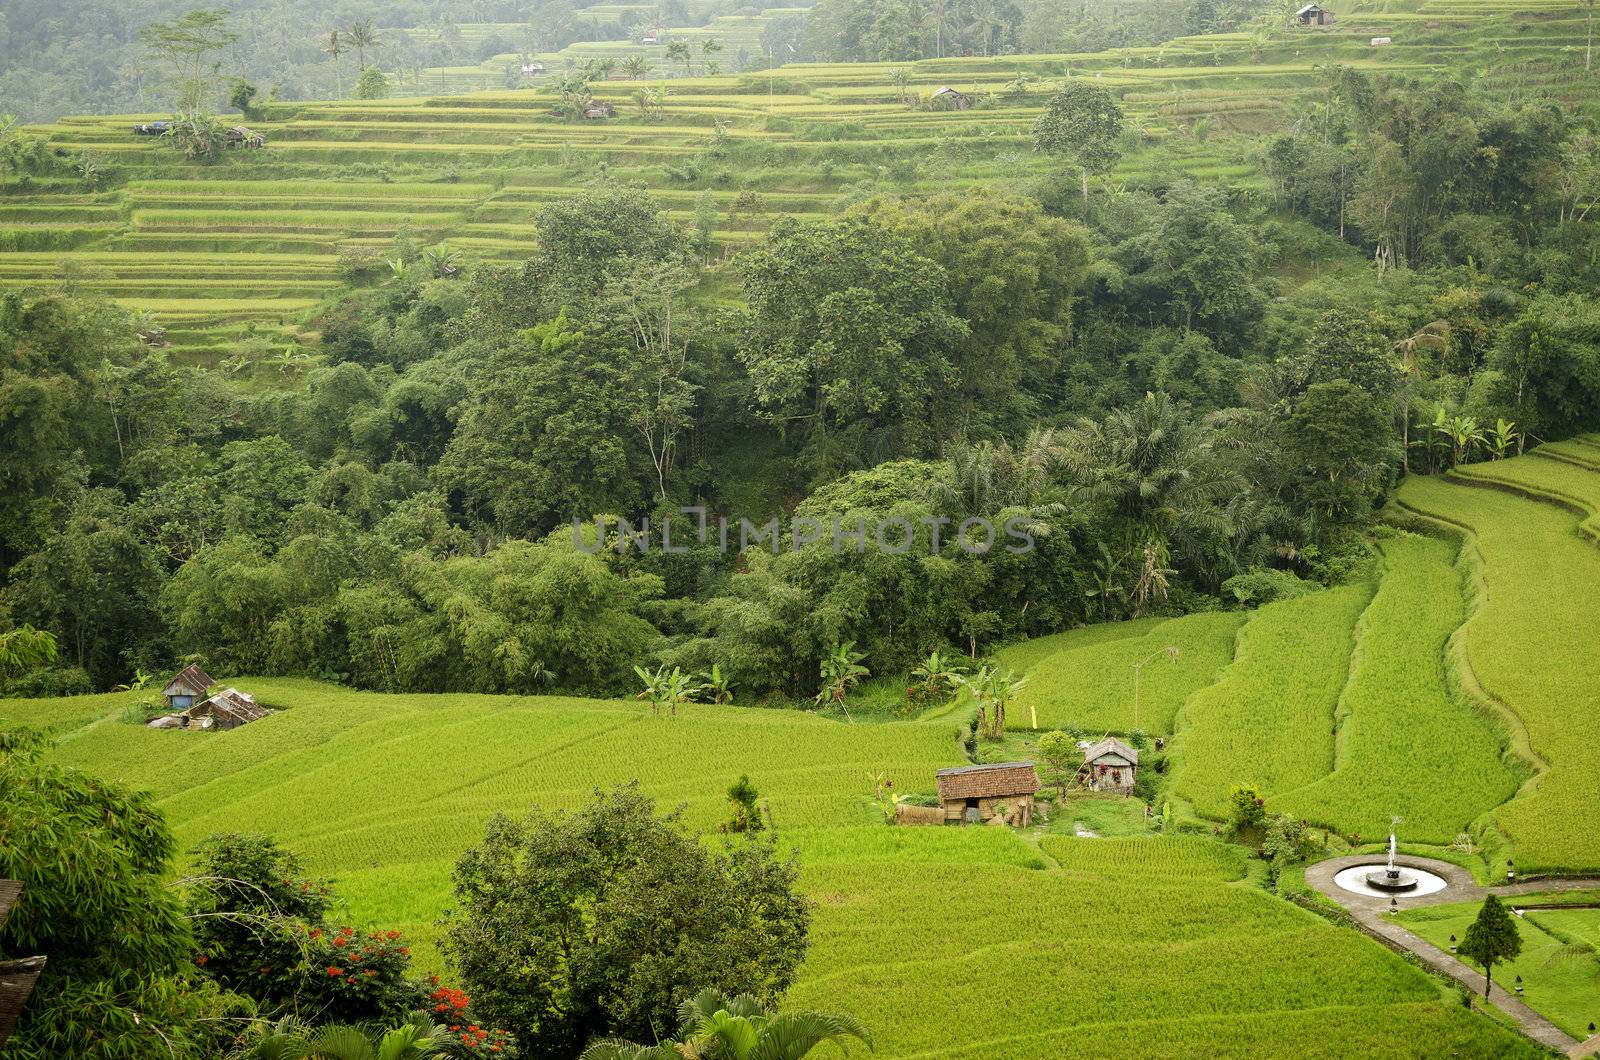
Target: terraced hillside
[[384, 791], [253, 242], [1532, 523]]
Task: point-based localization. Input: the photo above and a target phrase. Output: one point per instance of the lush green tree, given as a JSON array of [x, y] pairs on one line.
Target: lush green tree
[[1491, 938], [599, 922], [1012, 273], [1082, 123], [187, 50], [94, 585], [1200, 264], [372, 84], [1343, 441], [93, 861], [606, 230], [544, 433], [1061, 754], [849, 338], [737, 1028]]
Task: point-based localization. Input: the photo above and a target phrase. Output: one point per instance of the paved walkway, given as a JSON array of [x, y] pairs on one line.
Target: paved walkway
[[1369, 910]]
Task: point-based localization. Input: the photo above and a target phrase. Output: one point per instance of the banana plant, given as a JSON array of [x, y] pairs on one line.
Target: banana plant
[[666, 690], [1503, 436], [841, 670]]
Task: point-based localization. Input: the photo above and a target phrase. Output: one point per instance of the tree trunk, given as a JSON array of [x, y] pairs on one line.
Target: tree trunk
[[1083, 171], [1488, 980]]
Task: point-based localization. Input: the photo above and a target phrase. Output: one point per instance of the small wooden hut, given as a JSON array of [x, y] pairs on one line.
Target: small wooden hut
[[596, 109], [17, 976], [974, 794], [187, 689], [1314, 15], [1111, 765], [228, 709], [947, 98]]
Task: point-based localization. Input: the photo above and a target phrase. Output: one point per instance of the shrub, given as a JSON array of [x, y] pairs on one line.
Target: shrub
[[599, 922]]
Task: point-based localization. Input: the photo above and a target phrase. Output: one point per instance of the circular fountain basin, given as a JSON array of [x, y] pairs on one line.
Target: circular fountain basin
[[1411, 883]]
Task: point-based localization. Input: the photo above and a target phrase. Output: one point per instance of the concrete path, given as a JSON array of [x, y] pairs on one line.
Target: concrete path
[[1369, 911]]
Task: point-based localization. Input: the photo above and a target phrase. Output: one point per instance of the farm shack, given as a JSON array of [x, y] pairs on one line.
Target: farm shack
[[596, 109], [974, 794], [239, 136], [1111, 765], [1381, 42], [949, 99], [186, 689], [532, 69], [228, 709], [1314, 15], [17, 976]]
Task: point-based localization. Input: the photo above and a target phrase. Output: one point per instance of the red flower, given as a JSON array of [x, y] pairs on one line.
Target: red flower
[[202, 959]]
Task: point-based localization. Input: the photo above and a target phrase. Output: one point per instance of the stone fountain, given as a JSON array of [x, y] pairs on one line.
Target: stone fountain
[[1392, 878]]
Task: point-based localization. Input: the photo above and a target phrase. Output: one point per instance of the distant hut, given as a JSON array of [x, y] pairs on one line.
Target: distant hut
[[1314, 15], [228, 709], [239, 136], [596, 109], [16, 976], [973, 794], [1111, 765], [1382, 42], [949, 99], [185, 690], [532, 69]]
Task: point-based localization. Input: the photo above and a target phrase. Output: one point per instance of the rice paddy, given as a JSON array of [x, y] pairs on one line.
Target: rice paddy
[[470, 169], [383, 791]]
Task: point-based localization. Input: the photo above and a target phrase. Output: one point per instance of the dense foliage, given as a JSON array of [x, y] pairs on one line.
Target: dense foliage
[[93, 859], [599, 923]]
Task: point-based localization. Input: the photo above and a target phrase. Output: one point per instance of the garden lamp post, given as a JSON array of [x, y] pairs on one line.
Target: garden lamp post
[[1170, 652]]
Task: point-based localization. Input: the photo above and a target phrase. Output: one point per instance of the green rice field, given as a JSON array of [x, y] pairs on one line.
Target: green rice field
[[383, 791]]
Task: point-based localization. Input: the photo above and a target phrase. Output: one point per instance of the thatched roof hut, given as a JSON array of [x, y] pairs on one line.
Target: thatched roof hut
[[1111, 765], [978, 793]]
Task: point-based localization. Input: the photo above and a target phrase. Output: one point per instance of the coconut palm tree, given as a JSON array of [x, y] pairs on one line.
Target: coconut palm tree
[[361, 36], [1432, 336], [713, 1025], [336, 48], [1153, 466]]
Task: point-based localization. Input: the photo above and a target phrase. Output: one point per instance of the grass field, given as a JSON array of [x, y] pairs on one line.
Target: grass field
[[1559, 968], [1153, 936], [1407, 743], [1269, 720], [1529, 645], [1090, 686]]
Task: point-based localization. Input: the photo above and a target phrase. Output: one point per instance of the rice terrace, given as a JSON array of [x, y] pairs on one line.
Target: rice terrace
[[997, 529]]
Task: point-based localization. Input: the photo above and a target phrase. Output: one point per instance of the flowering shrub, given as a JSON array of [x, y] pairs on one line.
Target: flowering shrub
[[261, 932], [453, 1008]]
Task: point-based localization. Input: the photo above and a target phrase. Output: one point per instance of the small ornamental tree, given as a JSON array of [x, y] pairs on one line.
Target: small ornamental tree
[[372, 85], [1061, 757], [1083, 123], [742, 795], [1490, 939], [597, 923], [1246, 808]]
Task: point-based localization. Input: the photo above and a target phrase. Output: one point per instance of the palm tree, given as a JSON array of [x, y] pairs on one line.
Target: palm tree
[[679, 51], [336, 48], [1432, 336], [361, 36], [841, 670], [1153, 466], [711, 1024]]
